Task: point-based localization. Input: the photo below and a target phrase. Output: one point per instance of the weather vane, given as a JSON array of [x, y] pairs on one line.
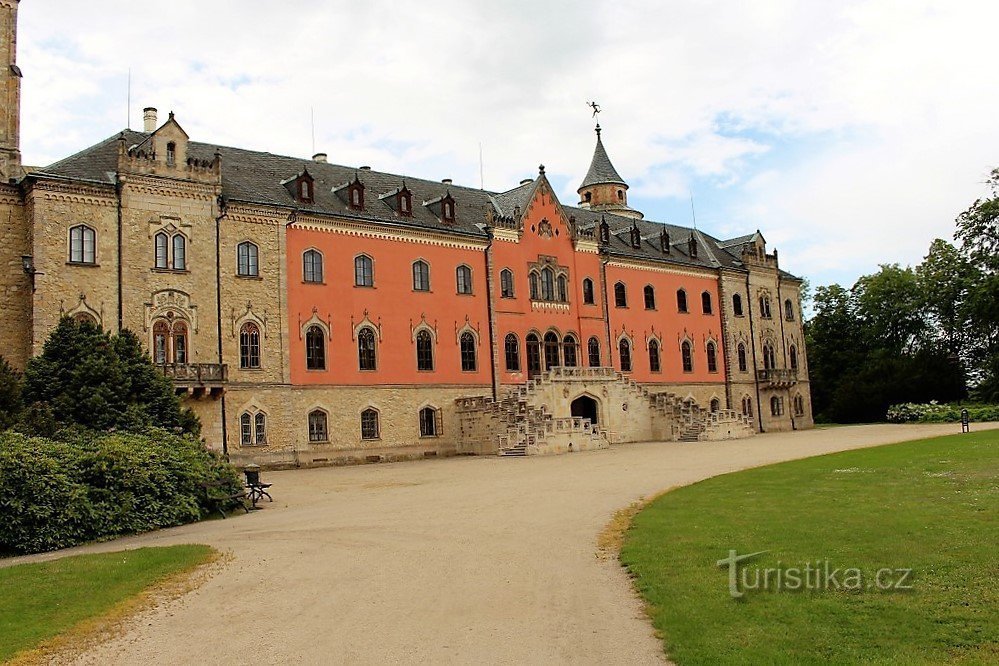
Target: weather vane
[[595, 107]]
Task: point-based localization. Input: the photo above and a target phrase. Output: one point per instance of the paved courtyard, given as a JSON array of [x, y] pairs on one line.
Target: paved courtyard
[[462, 560]]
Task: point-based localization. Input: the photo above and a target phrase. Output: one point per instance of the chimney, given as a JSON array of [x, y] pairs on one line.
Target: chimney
[[446, 181], [526, 181], [319, 157], [149, 119], [365, 168]]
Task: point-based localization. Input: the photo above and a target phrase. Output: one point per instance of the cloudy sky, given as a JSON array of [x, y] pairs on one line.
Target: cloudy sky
[[850, 133]]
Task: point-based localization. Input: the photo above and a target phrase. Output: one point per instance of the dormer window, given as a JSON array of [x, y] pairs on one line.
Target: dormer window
[[305, 191], [447, 210], [664, 241], [405, 202], [692, 247], [604, 232], [636, 237], [171, 153]]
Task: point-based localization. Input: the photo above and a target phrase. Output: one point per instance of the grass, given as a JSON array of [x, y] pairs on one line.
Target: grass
[[45, 600], [930, 505]]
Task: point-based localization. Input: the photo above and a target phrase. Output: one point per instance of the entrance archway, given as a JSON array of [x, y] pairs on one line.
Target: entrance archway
[[585, 407]]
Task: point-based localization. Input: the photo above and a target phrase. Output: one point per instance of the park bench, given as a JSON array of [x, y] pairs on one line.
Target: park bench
[[220, 495]]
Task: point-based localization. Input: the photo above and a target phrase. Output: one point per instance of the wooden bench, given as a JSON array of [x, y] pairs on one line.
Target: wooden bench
[[221, 495]]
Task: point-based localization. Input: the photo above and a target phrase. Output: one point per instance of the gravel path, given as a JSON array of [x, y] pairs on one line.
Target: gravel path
[[462, 560]]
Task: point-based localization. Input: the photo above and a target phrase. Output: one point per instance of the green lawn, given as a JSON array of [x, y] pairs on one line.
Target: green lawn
[[39, 601], [930, 505]]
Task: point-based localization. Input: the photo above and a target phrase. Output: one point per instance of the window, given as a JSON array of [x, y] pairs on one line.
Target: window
[[463, 276], [259, 429], [506, 283], [588, 291], [604, 228], [769, 358], [624, 351], [655, 365], [161, 242], [776, 406], [551, 350], [715, 404], [593, 352], [765, 307], [312, 266], [364, 271], [532, 280], [405, 202], [747, 406], [82, 245], [305, 190], [318, 430], [512, 348], [792, 354], [588, 197], [712, 357], [620, 195], [533, 345], [180, 342], [171, 156], [85, 318], [620, 295], [650, 297], [681, 300], [315, 349], [421, 276], [428, 422], [161, 332], [355, 195], [249, 346], [369, 424], [245, 429], [246, 260], [569, 351], [743, 365], [737, 305], [468, 360], [686, 357], [799, 405], [447, 210], [366, 349], [424, 351], [788, 310], [706, 303], [562, 289], [547, 284], [179, 253]]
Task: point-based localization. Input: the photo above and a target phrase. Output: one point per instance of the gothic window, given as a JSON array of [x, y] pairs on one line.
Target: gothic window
[[245, 429], [312, 266], [650, 297], [747, 406], [468, 359], [512, 348], [506, 283], [447, 210], [85, 318], [788, 310], [364, 271], [737, 305], [161, 243], [463, 278], [179, 252], [686, 356], [355, 195], [620, 295], [369, 424], [246, 259], [547, 284], [259, 428], [551, 350], [624, 352], [161, 334], [249, 346], [569, 351], [315, 348], [366, 349], [743, 365], [82, 245], [706, 302], [681, 300], [421, 276], [305, 190], [562, 289], [405, 202], [655, 364], [593, 352], [792, 354], [799, 405], [588, 291], [712, 357], [765, 307], [532, 280], [428, 422], [769, 358], [424, 351], [318, 426], [533, 354], [180, 342]]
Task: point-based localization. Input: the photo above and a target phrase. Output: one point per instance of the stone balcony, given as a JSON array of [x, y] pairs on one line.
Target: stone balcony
[[778, 377], [197, 379]]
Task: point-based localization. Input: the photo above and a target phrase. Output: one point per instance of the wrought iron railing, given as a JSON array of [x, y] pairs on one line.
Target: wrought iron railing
[[777, 376]]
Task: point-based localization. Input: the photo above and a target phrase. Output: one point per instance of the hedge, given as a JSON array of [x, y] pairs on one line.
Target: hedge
[[89, 486], [932, 412]]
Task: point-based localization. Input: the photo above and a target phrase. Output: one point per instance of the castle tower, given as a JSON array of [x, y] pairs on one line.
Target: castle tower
[[10, 89], [603, 189]]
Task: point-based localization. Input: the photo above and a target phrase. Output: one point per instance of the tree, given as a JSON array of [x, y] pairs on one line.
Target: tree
[[10, 394], [945, 280], [889, 306]]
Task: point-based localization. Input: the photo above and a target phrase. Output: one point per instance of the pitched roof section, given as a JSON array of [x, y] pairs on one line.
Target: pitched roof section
[[601, 171]]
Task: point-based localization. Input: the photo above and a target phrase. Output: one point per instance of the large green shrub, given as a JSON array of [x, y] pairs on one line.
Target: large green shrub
[[10, 394], [932, 412], [98, 486]]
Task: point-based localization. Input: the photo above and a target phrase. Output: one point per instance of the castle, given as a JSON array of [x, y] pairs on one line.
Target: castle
[[313, 313]]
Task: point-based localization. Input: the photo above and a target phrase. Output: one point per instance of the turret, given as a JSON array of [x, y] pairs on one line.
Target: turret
[[603, 188], [10, 88]]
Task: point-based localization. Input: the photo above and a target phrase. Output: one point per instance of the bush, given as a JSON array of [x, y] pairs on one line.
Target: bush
[[10, 394], [99, 486], [932, 412]]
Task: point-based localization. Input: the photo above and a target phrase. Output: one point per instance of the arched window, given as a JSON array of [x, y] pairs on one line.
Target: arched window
[[312, 266], [364, 271], [366, 349], [463, 277], [741, 352], [551, 350], [82, 245], [765, 307], [532, 281], [650, 297], [686, 357], [747, 406], [799, 405], [171, 153], [587, 197], [249, 346], [421, 276], [681, 300], [246, 260], [245, 429], [769, 358], [369, 424], [569, 351], [179, 342], [259, 429], [405, 203], [706, 303], [161, 334], [624, 353], [468, 359], [318, 426], [588, 291], [506, 283], [776, 406], [512, 348], [424, 351], [792, 354], [161, 245], [737, 305], [712, 357], [655, 365], [547, 284], [562, 289], [428, 422], [715, 404], [593, 352], [85, 318], [533, 345], [620, 295], [179, 253], [620, 195], [315, 349], [788, 310]]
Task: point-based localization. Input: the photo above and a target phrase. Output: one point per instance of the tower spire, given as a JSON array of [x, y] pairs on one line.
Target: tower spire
[[10, 89], [603, 188]]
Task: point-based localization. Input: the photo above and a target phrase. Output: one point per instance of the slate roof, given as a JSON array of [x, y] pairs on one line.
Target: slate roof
[[601, 170]]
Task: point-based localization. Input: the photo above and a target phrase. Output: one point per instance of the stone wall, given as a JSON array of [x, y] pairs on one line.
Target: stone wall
[[15, 284]]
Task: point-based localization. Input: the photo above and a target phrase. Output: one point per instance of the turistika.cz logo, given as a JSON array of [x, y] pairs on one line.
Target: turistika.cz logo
[[817, 575]]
